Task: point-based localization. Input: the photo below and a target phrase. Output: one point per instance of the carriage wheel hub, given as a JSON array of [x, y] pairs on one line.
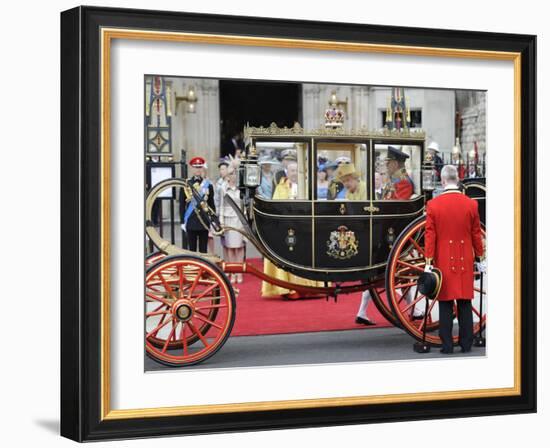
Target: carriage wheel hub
[[183, 310]]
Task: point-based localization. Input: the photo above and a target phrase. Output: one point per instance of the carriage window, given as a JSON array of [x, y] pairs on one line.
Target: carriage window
[[397, 172], [284, 174], [341, 171]]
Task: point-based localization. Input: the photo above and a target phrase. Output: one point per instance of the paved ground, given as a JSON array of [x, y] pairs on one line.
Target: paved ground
[[380, 344]]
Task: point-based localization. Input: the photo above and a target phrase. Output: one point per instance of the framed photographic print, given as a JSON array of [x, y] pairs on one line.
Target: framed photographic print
[[276, 224]]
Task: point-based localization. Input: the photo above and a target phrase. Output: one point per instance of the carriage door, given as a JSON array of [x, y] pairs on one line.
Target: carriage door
[[282, 205], [341, 232], [397, 195]]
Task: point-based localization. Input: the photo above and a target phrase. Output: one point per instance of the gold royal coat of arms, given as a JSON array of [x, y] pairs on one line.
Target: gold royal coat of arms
[[342, 243]]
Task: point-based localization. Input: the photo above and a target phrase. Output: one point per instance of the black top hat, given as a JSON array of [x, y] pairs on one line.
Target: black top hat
[[429, 283], [396, 154]]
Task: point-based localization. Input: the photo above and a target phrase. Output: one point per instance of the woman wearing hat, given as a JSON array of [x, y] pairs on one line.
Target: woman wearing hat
[[265, 189], [355, 189], [335, 187], [232, 241], [223, 167]]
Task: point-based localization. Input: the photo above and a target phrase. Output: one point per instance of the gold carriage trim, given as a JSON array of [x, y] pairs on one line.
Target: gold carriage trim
[[298, 131]]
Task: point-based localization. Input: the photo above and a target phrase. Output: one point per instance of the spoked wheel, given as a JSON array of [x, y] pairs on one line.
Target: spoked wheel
[[153, 258], [192, 338], [379, 297], [405, 264], [381, 300], [190, 310]]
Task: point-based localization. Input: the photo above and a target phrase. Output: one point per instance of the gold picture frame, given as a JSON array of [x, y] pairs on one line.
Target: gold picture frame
[[109, 26]]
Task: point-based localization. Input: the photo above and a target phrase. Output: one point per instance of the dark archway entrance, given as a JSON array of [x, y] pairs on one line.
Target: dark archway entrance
[[258, 103]]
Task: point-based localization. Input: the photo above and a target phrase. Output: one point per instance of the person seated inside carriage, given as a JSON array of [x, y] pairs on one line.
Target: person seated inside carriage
[[355, 189], [288, 156], [286, 189], [266, 187], [336, 189], [399, 185], [378, 185], [322, 182]]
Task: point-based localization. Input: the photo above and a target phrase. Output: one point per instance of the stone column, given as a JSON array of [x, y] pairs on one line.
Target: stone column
[[197, 133], [358, 107], [311, 117], [202, 129]]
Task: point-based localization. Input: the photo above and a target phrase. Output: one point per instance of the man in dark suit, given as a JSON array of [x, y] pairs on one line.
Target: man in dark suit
[[453, 238], [196, 227]]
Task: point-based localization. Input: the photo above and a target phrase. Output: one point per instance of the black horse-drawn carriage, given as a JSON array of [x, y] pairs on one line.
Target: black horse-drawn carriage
[[373, 241]]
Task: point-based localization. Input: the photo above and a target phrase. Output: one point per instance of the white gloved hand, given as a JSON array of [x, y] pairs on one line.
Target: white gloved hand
[[428, 268], [481, 266]]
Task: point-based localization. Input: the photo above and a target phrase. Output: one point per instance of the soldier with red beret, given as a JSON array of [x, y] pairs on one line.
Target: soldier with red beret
[[196, 229], [453, 240]]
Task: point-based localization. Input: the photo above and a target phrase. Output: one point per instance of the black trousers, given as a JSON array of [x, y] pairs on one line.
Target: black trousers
[[198, 235], [465, 324]]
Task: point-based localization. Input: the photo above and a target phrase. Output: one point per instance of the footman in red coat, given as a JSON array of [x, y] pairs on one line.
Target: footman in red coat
[[453, 243]]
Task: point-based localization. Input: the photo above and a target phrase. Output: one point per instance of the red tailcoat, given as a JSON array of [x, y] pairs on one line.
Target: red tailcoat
[[453, 238]]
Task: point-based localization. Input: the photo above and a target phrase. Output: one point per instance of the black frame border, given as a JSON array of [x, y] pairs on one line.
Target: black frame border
[[81, 224]]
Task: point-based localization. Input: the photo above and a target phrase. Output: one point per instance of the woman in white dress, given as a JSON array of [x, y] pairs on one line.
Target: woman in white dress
[[232, 241]]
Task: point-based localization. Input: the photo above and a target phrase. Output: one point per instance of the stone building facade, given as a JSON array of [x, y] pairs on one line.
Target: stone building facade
[[471, 110], [199, 133]]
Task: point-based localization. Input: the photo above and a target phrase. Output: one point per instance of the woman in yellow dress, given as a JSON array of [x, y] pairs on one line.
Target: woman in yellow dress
[[287, 188]]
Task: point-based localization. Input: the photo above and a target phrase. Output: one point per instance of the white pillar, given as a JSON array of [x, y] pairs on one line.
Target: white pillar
[[201, 130]]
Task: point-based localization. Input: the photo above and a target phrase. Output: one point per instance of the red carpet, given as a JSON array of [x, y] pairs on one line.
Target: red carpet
[[257, 315]]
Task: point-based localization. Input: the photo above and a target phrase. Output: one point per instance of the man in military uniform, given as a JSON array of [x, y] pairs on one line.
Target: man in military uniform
[[399, 186], [453, 238], [195, 226]]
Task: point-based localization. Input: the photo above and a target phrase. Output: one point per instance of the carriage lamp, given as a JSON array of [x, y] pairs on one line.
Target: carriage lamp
[[428, 178], [250, 169], [252, 175]]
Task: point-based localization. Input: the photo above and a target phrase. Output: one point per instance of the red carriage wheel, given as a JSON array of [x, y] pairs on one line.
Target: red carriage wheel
[[381, 301], [190, 310], [161, 308], [153, 258], [405, 263], [378, 295], [407, 291]]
